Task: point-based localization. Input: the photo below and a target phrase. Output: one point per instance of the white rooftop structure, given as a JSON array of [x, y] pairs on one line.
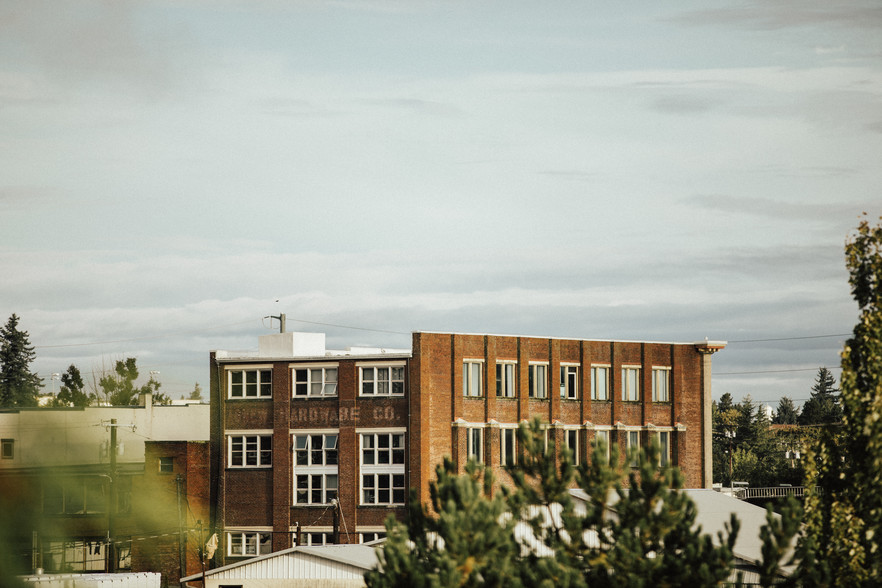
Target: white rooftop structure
[[303, 345]]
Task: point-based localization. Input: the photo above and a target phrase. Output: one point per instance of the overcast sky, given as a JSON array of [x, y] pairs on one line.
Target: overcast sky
[[173, 171]]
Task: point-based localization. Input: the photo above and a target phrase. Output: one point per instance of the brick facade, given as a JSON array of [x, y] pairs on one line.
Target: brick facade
[[436, 418]]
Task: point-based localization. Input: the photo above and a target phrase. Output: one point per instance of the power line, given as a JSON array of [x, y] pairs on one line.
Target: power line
[[790, 338], [773, 371]]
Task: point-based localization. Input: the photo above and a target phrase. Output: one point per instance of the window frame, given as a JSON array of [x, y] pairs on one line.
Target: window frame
[[470, 369], [305, 475], [508, 446], [393, 471], [7, 448], [573, 435], [506, 378], [631, 375], [263, 387], [569, 381], [665, 447], [324, 384], [475, 443], [538, 385], [656, 380], [244, 535], [632, 440], [166, 464], [261, 451], [606, 434], [595, 392], [393, 368]]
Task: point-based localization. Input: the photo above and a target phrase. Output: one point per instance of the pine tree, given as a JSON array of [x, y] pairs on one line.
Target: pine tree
[[72, 392], [18, 385], [787, 413], [823, 407]]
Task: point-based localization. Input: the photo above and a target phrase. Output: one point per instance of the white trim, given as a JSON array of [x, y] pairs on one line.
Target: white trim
[[313, 431], [359, 430], [538, 362], [570, 363], [262, 432], [247, 366], [380, 363], [240, 528], [314, 364]]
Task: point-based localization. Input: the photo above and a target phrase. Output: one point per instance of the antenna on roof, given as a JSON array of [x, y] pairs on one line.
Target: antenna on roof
[[280, 318]]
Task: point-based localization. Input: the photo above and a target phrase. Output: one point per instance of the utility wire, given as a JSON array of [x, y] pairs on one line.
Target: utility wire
[[790, 338]]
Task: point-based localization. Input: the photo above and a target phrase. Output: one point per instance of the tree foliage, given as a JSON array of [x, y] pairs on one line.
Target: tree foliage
[[787, 412], [118, 387], [823, 407], [18, 385], [73, 389], [844, 521], [534, 534]]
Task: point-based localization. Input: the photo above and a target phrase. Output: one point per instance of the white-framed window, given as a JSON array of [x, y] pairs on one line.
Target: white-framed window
[[506, 379], [472, 380], [387, 380], [7, 448], [630, 383], [475, 443], [166, 465], [314, 381], [602, 437], [600, 382], [664, 443], [316, 538], [569, 382], [571, 439], [508, 446], [382, 467], [250, 451], [661, 384], [633, 438], [250, 383], [368, 536], [315, 468], [249, 543], [538, 380]]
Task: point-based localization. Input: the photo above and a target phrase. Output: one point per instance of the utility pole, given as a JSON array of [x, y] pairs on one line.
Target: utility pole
[[181, 537], [111, 548], [280, 318]]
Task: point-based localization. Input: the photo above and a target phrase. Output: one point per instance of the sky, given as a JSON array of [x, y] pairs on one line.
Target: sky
[[172, 172]]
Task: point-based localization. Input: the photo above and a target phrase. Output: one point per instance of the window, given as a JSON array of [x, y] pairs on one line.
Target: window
[[664, 443], [315, 382], [600, 382], [166, 465], [382, 468], [538, 381], [601, 438], [368, 537], [316, 538], [382, 381], [472, 384], [661, 378], [248, 543], [569, 382], [315, 468], [251, 383], [475, 443], [508, 446], [571, 438], [250, 451], [633, 445], [506, 379], [7, 448], [630, 384]]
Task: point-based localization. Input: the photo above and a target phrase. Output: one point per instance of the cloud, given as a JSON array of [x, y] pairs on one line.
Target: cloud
[[781, 210], [781, 14]]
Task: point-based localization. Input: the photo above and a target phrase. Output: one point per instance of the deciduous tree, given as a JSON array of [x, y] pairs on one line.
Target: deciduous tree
[[72, 392]]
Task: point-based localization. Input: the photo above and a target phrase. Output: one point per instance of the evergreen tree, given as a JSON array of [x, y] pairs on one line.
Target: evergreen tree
[[823, 407], [196, 394], [842, 544], [787, 413], [72, 392], [18, 385]]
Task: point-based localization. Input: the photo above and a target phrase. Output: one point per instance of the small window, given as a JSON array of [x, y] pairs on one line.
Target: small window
[[661, 384], [382, 381], [571, 437], [664, 442], [166, 465], [368, 537], [472, 384], [633, 445], [508, 446], [251, 384], [506, 379], [475, 445], [569, 382], [538, 381], [600, 383], [601, 439], [631, 384], [7, 448], [247, 543]]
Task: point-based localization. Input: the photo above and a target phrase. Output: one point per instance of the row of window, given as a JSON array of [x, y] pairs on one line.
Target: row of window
[[315, 475], [508, 443], [506, 381], [251, 543], [317, 382]]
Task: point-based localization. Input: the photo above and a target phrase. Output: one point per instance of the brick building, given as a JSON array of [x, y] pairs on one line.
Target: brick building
[[322, 445]]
